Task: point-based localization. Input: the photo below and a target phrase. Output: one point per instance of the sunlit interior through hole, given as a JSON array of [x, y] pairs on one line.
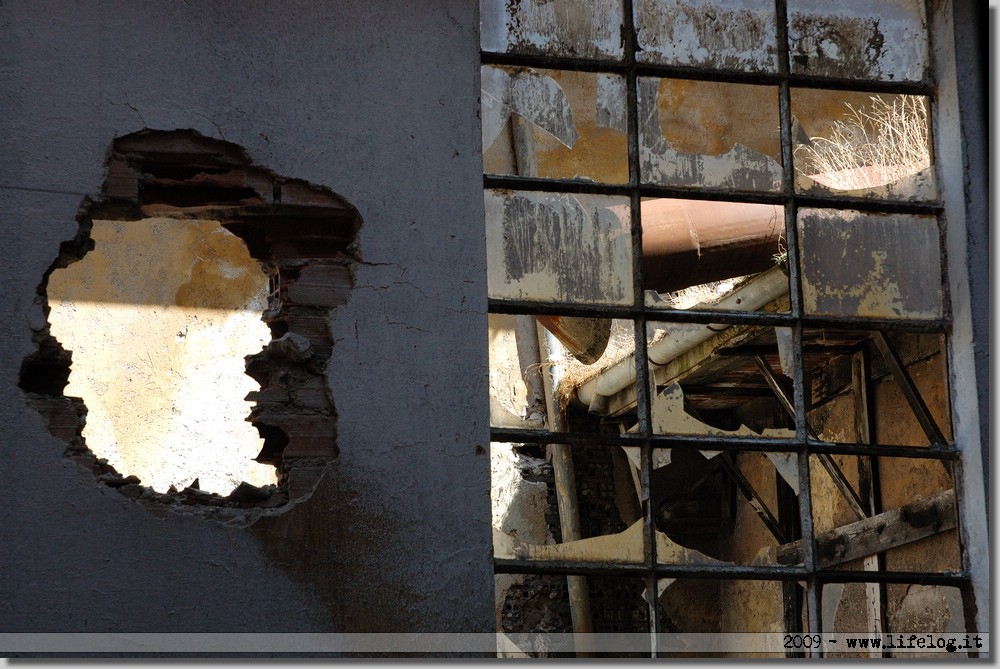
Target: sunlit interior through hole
[[158, 317]]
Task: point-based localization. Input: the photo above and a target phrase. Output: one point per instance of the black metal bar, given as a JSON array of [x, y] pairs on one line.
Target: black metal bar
[[721, 317], [758, 504], [543, 61], [731, 572], [722, 443], [949, 579], [909, 390], [791, 592], [700, 571], [578, 186]]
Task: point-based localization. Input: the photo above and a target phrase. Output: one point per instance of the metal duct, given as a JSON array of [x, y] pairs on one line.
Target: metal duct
[[690, 242]]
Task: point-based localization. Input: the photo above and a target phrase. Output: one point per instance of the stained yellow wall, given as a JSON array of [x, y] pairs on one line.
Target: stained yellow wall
[[158, 318]]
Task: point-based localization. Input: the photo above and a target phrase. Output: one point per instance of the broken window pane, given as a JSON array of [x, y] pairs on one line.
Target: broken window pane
[[722, 507], [564, 248], [883, 388], [883, 40], [709, 134], [722, 380], [702, 254], [517, 399], [554, 124], [862, 144], [570, 28], [870, 265], [907, 520], [577, 504], [707, 33], [898, 610], [914, 608], [536, 614]]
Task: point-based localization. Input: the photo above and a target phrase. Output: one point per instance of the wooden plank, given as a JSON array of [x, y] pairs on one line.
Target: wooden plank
[[912, 522], [867, 483]]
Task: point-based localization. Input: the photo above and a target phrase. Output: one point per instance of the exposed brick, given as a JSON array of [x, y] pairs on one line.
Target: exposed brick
[[302, 481], [300, 193], [122, 182], [324, 285]]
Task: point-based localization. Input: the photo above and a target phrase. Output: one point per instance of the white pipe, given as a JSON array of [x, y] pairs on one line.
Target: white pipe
[[680, 338]]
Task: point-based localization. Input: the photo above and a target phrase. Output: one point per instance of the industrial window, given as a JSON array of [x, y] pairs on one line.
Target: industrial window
[[722, 389]]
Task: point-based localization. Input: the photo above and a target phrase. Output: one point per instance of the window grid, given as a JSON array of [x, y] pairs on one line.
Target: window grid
[[804, 445]]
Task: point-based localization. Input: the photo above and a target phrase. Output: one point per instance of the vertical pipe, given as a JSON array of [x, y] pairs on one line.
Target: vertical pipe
[[562, 455], [565, 482], [874, 595]]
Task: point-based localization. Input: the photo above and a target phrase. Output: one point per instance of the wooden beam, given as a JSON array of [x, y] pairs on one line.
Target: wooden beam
[[912, 522]]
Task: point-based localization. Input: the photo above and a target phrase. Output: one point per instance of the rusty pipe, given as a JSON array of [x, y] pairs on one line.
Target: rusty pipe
[[691, 242]]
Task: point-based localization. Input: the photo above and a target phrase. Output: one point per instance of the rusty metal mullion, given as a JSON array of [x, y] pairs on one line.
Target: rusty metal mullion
[[641, 358], [909, 390], [812, 586], [728, 443], [945, 578], [700, 73]]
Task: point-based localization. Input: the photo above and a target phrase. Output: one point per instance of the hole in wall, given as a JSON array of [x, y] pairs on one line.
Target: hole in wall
[[158, 319], [199, 286]]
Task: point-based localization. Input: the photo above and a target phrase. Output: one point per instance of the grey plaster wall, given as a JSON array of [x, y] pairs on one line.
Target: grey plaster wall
[[377, 101]]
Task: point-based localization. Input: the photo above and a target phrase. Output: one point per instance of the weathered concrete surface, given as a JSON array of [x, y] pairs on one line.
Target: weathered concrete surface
[[397, 535]]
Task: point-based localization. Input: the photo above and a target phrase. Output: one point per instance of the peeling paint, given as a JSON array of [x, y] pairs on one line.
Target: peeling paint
[[732, 35], [587, 30], [864, 39], [701, 138], [880, 266], [561, 248]]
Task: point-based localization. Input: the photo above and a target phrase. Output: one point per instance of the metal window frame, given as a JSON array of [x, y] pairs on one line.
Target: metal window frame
[[804, 444]]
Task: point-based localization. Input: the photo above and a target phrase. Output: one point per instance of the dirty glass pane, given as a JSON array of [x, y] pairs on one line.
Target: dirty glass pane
[[527, 484], [862, 144], [721, 380], [700, 254], [882, 388], [884, 40], [722, 507], [569, 28], [912, 524], [558, 247], [554, 124], [707, 33], [709, 134], [870, 265], [721, 618]]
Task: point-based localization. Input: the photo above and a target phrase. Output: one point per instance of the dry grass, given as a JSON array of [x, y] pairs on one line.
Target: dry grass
[[872, 146]]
